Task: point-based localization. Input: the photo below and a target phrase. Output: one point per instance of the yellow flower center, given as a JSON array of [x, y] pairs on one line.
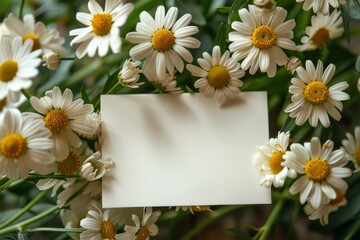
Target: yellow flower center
[[201, 208], [107, 230], [13, 145], [143, 233], [2, 104], [8, 70], [218, 77], [357, 156], [163, 39], [101, 23], [263, 37], [317, 169], [56, 120], [316, 92], [70, 165], [321, 36], [275, 162], [339, 198], [34, 38]]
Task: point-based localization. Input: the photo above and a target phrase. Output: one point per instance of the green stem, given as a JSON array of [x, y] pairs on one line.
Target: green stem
[[355, 228], [265, 230], [24, 209], [68, 58], [21, 8], [214, 216], [37, 176], [111, 90], [26, 94], [48, 229], [29, 221]]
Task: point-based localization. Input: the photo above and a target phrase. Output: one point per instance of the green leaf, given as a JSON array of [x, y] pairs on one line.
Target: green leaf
[[354, 9], [221, 36], [238, 4], [195, 10], [357, 64], [289, 125], [84, 95], [345, 17]]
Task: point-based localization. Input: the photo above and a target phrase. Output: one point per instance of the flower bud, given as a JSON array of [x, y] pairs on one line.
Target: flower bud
[[292, 64], [52, 60], [129, 74], [266, 5]]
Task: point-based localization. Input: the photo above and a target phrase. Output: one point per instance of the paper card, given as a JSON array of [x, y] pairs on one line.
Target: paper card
[[183, 150]]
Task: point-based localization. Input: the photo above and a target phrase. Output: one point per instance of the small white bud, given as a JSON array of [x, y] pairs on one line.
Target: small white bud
[[292, 64], [52, 60], [266, 5]]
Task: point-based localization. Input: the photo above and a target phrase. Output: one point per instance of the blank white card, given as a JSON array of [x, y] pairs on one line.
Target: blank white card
[[183, 150]]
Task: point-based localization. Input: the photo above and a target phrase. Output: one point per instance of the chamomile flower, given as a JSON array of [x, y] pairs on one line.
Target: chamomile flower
[[130, 74], [321, 5], [166, 84], [24, 145], [95, 167], [142, 229], [260, 38], [351, 146], [71, 165], [193, 209], [64, 118], [18, 65], [269, 159], [162, 41], [323, 28], [312, 99], [102, 28], [321, 169], [219, 75], [12, 100], [98, 225], [42, 38], [322, 213]]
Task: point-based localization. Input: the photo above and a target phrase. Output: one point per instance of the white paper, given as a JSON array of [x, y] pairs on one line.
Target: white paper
[[183, 150]]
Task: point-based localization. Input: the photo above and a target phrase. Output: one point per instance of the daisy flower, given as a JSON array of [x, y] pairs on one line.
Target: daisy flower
[[42, 38], [312, 99], [17, 65], [259, 39], [269, 161], [95, 167], [219, 75], [166, 84], [102, 28], [64, 118], [193, 209], [323, 28], [24, 145], [321, 169], [97, 223], [12, 100], [130, 74], [71, 165], [322, 213], [142, 229], [351, 146], [321, 5], [162, 41]]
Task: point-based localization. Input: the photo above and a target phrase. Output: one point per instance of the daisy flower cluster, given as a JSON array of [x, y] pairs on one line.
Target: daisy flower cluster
[[58, 58]]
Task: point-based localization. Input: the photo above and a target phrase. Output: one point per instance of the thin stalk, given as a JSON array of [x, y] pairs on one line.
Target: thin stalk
[[111, 90], [49, 229], [21, 8], [25, 209], [26, 94], [355, 228], [67, 59], [265, 230], [214, 216], [29, 221]]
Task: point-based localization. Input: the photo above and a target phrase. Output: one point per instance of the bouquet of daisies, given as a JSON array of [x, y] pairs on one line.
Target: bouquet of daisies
[[57, 58]]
